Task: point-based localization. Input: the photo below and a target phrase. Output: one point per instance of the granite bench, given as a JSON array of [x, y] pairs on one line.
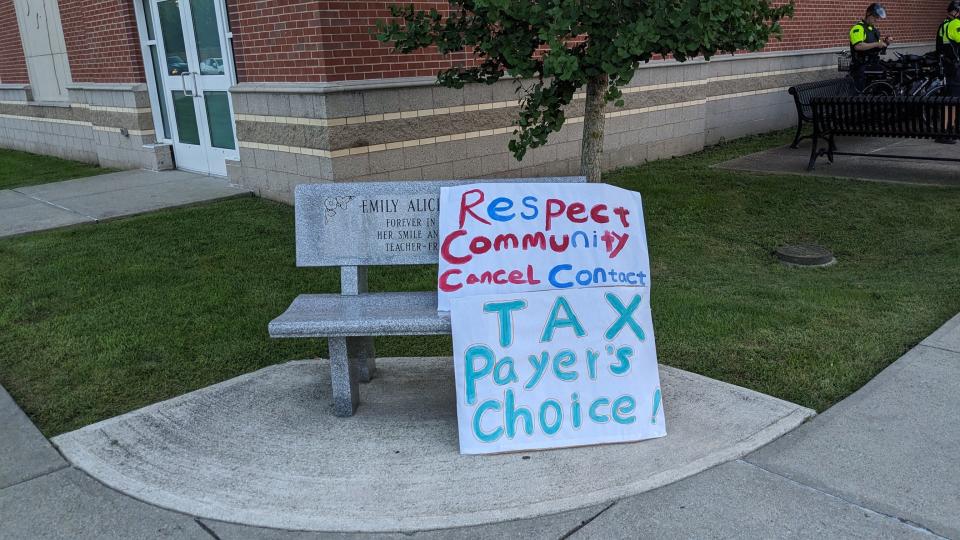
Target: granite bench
[[353, 226]]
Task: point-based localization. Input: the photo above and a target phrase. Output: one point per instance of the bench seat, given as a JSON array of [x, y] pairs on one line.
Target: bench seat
[[365, 314]]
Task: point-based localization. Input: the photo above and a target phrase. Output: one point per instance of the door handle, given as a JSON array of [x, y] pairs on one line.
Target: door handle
[[196, 91], [183, 80]]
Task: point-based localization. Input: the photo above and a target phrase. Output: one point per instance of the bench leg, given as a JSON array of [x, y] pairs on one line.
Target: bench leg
[[814, 152], [797, 138], [362, 352], [345, 378]]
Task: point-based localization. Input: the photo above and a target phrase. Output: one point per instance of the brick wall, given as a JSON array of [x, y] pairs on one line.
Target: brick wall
[[304, 40], [314, 41], [13, 66], [826, 23], [102, 41]]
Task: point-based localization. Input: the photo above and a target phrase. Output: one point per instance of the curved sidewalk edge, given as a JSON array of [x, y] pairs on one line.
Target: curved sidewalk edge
[[264, 450]]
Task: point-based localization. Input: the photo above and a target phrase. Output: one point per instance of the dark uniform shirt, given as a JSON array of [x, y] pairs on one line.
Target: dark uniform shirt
[[864, 33], [948, 38], [948, 45]]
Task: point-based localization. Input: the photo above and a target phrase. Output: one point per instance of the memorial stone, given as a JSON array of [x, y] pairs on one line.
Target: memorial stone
[[355, 225]]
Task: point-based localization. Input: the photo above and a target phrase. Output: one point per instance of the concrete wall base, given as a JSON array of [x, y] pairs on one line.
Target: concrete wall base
[[107, 124]]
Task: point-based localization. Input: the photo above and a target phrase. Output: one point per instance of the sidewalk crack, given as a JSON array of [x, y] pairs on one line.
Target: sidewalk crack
[[905, 521], [55, 205], [944, 349], [586, 522], [41, 475], [206, 528]]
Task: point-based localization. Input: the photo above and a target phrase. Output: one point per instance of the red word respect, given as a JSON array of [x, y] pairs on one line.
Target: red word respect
[[504, 209]]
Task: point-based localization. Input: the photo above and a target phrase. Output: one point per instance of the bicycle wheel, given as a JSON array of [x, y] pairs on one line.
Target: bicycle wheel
[[938, 89], [878, 88], [934, 91]]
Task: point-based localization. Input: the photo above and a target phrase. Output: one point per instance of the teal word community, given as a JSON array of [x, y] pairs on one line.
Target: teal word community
[[481, 363]]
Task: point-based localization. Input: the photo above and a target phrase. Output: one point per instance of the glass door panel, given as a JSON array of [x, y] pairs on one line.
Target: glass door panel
[[176, 79], [186, 115], [207, 30], [171, 28], [195, 73], [220, 120], [214, 78], [158, 80]]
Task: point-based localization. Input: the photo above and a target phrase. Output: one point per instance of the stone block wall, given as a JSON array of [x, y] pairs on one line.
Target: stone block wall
[[411, 129], [60, 130], [108, 124], [122, 125]]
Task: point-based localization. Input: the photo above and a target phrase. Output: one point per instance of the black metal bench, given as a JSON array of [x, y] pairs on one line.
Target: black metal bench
[[803, 93], [882, 116]]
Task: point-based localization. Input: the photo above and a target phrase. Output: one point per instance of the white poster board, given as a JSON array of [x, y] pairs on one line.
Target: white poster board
[[550, 369], [502, 238]]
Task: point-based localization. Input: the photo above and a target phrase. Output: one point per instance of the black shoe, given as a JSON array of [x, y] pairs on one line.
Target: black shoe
[[944, 140]]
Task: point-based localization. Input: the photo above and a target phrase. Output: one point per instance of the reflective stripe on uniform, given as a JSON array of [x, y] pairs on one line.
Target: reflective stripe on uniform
[[953, 31], [858, 34]]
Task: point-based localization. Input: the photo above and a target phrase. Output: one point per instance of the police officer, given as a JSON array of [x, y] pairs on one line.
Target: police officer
[[866, 43], [948, 47]]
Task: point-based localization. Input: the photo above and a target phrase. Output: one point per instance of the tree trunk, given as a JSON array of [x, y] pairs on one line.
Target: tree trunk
[[591, 149]]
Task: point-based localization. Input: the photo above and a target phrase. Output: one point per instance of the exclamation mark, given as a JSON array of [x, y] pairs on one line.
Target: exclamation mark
[[656, 406]]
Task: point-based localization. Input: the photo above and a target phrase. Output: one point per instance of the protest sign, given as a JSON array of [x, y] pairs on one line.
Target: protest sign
[[502, 238], [548, 369]]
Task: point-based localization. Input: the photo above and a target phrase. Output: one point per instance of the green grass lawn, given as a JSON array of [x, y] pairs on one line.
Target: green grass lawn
[[99, 320], [19, 169]]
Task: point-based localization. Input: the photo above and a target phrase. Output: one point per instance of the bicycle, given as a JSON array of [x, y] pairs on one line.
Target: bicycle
[[907, 75]]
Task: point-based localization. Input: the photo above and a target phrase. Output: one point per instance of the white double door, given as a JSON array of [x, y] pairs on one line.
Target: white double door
[[194, 70]]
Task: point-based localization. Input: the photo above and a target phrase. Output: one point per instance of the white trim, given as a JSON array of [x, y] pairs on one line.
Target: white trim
[[151, 77], [47, 120], [371, 118], [454, 137], [108, 87], [138, 132], [750, 93]]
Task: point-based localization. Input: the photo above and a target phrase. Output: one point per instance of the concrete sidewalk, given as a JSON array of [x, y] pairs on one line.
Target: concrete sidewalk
[[786, 160], [97, 198], [880, 464], [246, 451]]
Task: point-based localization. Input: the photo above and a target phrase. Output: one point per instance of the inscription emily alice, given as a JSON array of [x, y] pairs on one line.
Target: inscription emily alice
[[372, 223], [404, 224]]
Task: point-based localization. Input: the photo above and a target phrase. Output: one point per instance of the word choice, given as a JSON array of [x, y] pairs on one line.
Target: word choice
[[550, 415]]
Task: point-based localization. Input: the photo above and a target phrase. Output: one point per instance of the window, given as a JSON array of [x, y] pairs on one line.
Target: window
[[44, 49], [148, 42]]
